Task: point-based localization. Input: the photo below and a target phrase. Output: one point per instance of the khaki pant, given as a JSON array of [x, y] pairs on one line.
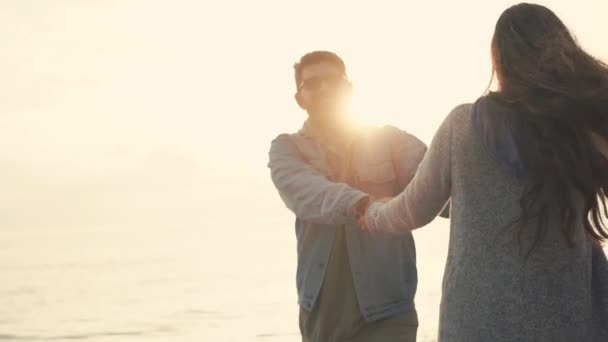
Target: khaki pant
[[401, 328], [336, 316]]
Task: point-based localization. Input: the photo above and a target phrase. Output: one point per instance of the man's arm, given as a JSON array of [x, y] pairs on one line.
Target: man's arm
[[307, 192], [408, 152]]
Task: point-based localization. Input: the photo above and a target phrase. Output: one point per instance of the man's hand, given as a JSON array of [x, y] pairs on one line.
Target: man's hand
[[362, 220], [361, 207]]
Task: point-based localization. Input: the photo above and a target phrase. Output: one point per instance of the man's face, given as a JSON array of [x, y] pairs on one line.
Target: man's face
[[324, 90]]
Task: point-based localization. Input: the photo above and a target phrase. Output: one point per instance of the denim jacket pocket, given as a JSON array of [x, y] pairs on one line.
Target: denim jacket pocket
[[312, 154]]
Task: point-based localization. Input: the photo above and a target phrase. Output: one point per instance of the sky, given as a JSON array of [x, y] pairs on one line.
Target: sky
[[147, 112]]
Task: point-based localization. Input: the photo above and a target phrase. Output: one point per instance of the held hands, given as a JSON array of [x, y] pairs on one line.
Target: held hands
[[363, 218]]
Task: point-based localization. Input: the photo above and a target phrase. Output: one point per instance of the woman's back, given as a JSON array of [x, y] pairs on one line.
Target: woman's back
[[499, 284]]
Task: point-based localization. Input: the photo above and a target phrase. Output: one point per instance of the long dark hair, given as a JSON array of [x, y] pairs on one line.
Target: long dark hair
[[558, 94]]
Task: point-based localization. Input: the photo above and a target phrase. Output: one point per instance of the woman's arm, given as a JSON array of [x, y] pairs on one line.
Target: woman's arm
[[425, 196]]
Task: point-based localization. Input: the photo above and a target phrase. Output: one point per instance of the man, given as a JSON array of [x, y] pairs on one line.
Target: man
[[352, 286]]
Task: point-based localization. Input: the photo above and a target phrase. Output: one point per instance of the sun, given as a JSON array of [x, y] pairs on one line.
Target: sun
[[374, 109]]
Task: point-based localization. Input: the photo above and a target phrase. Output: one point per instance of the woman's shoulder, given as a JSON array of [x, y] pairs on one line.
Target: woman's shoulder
[[459, 115], [462, 110]]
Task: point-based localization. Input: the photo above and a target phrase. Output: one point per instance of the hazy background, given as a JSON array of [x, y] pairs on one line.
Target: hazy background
[[135, 195]]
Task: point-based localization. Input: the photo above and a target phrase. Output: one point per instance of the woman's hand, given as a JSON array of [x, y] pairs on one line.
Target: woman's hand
[[363, 219]]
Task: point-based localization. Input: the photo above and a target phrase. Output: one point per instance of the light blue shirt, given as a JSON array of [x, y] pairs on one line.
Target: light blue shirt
[[383, 161]]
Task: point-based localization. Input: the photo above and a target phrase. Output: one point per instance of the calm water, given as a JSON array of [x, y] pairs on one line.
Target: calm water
[[216, 283]]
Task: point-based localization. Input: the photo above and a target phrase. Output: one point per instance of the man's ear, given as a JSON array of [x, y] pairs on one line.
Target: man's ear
[[299, 100]]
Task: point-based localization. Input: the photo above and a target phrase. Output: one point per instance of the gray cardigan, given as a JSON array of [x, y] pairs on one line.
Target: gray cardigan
[[490, 293]]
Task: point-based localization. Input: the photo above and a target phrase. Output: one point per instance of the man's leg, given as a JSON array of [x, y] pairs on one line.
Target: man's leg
[[336, 314], [401, 328], [303, 320]]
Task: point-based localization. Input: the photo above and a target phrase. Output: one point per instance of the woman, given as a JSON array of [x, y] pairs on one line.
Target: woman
[[526, 172]]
